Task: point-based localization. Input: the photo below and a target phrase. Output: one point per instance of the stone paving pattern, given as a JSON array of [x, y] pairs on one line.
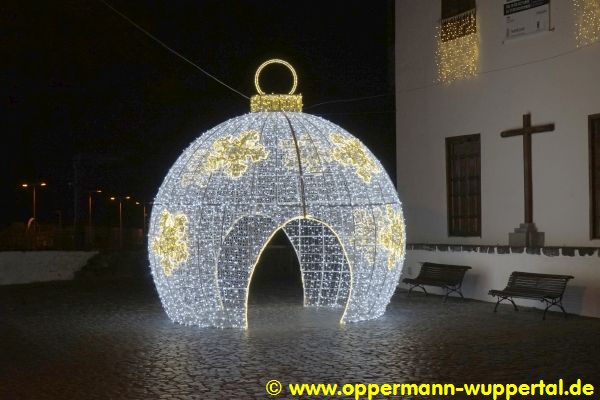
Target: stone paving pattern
[[113, 341]]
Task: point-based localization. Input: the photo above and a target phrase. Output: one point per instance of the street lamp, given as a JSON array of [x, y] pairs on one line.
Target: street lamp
[[144, 215], [33, 186], [120, 200], [90, 223]]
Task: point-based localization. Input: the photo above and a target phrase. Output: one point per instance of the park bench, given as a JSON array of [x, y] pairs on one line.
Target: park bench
[[546, 288], [446, 276]]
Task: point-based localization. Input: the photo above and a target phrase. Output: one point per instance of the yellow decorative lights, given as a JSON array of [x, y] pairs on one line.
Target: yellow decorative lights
[[393, 236], [275, 102], [170, 243], [245, 179], [232, 154], [587, 21], [350, 151], [275, 61], [457, 48]]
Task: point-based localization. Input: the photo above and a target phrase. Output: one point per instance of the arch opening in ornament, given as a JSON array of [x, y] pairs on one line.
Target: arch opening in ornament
[[324, 265]]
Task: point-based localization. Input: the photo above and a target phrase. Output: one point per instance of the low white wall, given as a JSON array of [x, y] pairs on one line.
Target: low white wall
[[41, 266], [491, 271]]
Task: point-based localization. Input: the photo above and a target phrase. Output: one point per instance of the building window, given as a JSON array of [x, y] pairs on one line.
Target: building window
[[463, 180], [458, 19], [452, 8], [594, 128]]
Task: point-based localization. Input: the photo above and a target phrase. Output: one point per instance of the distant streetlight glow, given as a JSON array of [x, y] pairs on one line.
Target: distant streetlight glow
[[33, 185]]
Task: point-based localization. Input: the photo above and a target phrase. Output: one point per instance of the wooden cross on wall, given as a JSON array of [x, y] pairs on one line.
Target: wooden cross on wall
[[526, 131]]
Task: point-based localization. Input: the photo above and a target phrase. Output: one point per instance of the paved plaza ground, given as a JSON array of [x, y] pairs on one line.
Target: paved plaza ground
[[112, 340]]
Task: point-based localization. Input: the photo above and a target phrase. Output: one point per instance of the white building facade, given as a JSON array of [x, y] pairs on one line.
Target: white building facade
[[554, 76]]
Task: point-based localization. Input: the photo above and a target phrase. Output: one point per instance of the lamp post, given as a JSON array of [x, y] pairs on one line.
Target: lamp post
[[144, 214], [90, 238], [90, 206], [33, 186], [120, 200]]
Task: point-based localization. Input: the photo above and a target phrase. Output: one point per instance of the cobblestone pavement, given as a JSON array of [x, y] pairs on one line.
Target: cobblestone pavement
[[113, 341]]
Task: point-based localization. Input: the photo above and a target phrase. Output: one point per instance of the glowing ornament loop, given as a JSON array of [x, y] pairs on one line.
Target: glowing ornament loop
[[275, 61]]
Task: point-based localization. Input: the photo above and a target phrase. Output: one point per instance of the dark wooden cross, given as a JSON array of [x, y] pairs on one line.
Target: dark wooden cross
[[526, 131]]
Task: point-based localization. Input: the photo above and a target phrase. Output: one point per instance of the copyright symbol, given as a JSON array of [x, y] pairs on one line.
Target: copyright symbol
[[273, 387]]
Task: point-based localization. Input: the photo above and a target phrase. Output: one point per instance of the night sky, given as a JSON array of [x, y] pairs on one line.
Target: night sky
[[88, 101]]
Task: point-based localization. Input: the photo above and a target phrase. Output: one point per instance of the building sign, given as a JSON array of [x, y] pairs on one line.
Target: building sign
[[524, 17]]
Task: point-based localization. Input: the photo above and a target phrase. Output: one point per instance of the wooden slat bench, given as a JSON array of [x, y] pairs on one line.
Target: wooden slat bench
[[446, 276], [546, 288]]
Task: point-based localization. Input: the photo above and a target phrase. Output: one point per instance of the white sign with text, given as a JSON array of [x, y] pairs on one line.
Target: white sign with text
[[525, 17]]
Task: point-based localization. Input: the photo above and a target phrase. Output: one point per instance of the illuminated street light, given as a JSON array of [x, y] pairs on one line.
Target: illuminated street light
[[33, 185], [120, 200], [144, 215]]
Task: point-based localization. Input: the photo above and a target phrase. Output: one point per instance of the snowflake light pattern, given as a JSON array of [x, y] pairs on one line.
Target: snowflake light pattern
[[350, 151], [393, 236], [233, 154], [170, 243]]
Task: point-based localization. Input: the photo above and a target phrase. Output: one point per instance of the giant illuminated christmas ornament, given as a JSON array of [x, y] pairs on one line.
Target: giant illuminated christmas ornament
[[273, 169]]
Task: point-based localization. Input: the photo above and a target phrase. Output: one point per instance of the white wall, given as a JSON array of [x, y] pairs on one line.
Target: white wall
[[41, 266], [563, 90], [491, 271]]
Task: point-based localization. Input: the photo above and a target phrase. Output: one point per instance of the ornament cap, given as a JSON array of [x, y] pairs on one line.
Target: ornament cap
[[275, 102]]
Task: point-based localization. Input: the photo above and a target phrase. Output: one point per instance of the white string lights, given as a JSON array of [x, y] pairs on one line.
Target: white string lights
[[241, 182]]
